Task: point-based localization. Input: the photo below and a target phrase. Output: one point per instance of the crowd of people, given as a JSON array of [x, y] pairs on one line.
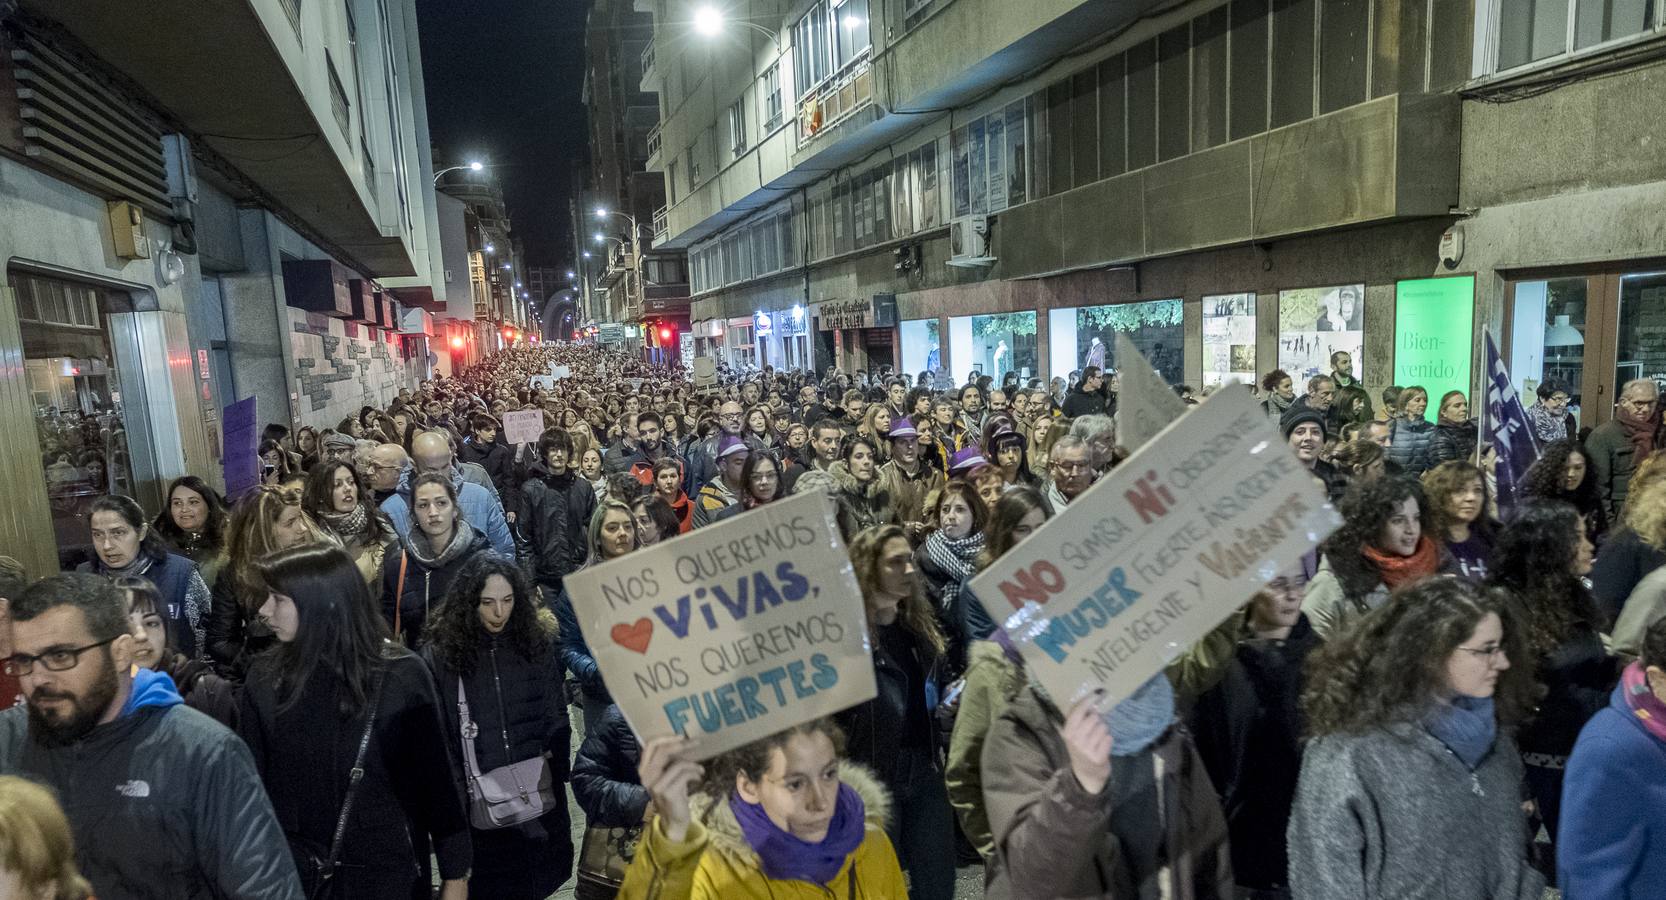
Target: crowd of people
[[360, 679]]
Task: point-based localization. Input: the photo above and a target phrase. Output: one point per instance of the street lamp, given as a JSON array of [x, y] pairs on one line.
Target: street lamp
[[473, 166], [708, 22], [490, 248]]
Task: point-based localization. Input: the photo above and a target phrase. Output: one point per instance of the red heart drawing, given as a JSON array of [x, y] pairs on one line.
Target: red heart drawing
[[634, 637]]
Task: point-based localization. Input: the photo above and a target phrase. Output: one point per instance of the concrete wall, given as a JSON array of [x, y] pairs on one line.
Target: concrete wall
[[340, 368]]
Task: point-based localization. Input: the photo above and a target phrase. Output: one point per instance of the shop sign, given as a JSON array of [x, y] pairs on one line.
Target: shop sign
[[763, 325], [838, 315], [1434, 330]]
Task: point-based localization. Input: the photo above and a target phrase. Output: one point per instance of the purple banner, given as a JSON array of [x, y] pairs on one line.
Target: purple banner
[[239, 459], [1506, 427]]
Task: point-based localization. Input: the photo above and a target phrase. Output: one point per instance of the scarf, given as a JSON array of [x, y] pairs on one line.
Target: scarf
[[785, 857], [1650, 712], [1277, 404], [1141, 718], [140, 565], [349, 526], [954, 557], [1397, 570], [1639, 431], [1467, 726], [1547, 426], [461, 540]]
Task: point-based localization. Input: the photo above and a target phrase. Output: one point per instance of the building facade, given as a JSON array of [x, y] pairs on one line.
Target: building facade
[[248, 216], [1238, 185]]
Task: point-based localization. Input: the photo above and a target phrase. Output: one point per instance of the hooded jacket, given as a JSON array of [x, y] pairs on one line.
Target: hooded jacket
[[714, 861], [555, 515], [479, 507], [495, 458], [861, 506], [1611, 844], [164, 802], [714, 498], [1156, 819], [426, 577]]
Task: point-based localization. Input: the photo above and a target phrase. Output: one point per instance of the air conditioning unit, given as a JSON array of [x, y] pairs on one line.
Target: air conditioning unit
[[969, 242]]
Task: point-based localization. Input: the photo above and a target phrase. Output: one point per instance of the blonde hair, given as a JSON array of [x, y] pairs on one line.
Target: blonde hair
[[1650, 472], [35, 841], [1645, 511]]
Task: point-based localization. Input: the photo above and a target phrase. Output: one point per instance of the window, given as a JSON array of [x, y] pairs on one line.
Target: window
[[811, 60], [1086, 335], [292, 8], [772, 98], [737, 127], [358, 84], [671, 181], [693, 165], [338, 95], [1532, 30], [850, 26]]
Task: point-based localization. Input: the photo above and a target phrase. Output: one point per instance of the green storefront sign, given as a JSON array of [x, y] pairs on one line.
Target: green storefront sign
[[1434, 336]]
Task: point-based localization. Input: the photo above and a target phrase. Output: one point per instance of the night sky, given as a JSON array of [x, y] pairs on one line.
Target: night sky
[[503, 80]]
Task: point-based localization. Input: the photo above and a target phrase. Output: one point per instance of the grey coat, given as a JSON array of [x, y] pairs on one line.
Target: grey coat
[[1392, 814]]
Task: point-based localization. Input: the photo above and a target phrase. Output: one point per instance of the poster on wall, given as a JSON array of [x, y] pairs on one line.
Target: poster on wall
[[996, 134], [1228, 339], [1313, 323], [1016, 171], [978, 170], [961, 190], [1434, 334], [930, 207], [240, 463]]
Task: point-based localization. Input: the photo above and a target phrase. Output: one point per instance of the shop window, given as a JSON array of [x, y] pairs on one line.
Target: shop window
[[1434, 327], [1229, 339], [1313, 323], [921, 346], [1548, 332], [1086, 335], [80, 411], [994, 345]]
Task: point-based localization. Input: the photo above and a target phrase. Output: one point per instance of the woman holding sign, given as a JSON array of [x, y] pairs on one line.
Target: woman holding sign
[[1411, 784], [895, 733], [783, 817]]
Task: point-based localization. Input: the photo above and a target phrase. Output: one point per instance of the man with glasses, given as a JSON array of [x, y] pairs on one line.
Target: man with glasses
[[339, 447], [1619, 444], [386, 462], [1070, 471], [164, 801], [702, 458]]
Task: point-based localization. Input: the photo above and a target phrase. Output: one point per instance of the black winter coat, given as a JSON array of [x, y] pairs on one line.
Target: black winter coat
[[424, 587], [1624, 561], [1452, 441], [554, 523], [1578, 676], [498, 461], [898, 720], [605, 782], [519, 707], [304, 755], [1248, 730], [234, 635], [575, 653]]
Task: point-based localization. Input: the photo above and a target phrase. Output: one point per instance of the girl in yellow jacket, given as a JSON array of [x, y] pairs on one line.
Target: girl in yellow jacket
[[780, 818]]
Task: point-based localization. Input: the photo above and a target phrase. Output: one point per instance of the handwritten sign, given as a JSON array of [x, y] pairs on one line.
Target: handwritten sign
[[705, 372], [733, 632], [1158, 552], [523, 426], [1145, 402], [559, 372]]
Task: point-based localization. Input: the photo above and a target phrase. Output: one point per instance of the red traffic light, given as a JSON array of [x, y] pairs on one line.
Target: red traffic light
[[665, 333], [508, 334], [456, 343]]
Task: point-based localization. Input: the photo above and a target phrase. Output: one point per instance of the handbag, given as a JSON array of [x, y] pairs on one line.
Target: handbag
[[318, 865], [604, 856], [507, 795]]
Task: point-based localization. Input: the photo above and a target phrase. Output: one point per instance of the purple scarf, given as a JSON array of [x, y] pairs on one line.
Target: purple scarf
[[786, 858]]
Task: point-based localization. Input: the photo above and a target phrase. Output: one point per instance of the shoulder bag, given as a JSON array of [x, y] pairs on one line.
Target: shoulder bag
[[316, 864], [508, 795]]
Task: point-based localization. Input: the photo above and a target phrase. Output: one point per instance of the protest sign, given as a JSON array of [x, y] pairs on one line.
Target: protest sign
[[559, 372], [547, 382], [1145, 404], [705, 372], [1158, 552], [523, 426], [636, 384], [733, 632], [238, 459]]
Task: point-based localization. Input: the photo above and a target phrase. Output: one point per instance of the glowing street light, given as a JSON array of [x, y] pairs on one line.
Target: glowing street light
[[708, 20], [473, 166]]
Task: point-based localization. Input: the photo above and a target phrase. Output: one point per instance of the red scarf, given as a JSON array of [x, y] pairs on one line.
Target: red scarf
[[1639, 431], [1397, 570]]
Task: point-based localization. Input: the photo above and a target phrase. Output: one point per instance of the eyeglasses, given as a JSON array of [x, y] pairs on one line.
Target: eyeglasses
[[1489, 653], [1071, 468], [53, 660]]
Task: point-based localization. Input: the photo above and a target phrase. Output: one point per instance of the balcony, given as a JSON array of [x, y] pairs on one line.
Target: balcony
[[662, 221], [835, 101], [653, 147]]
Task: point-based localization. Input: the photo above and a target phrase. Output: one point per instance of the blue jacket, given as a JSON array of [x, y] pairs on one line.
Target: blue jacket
[[480, 509], [1612, 840]]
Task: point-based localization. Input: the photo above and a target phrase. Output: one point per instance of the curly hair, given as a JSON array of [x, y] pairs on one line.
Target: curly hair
[[1651, 470], [454, 629], [1534, 560], [1545, 478], [752, 760], [1366, 508], [1271, 380], [1647, 517], [1391, 665], [1447, 479], [916, 614]]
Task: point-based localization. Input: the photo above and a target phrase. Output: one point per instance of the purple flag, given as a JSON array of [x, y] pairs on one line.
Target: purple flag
[[238, 453], [1506, 428]]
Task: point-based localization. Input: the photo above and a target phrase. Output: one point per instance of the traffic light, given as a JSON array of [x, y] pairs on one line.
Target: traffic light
[[456, 343], [664, 334], [508, 334]]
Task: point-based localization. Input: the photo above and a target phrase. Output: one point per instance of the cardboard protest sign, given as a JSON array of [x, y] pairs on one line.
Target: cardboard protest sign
[[733, 632], [547, 382], [705, 372], [523, 426], [636, 385], [559, 372], [1145, 404], [1157, 553]]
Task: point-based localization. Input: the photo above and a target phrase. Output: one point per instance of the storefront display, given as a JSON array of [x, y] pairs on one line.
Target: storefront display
[[921, 346], [1085, 336], [1228, 339], [993, 345], [1434, 331], [1313, 323]]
